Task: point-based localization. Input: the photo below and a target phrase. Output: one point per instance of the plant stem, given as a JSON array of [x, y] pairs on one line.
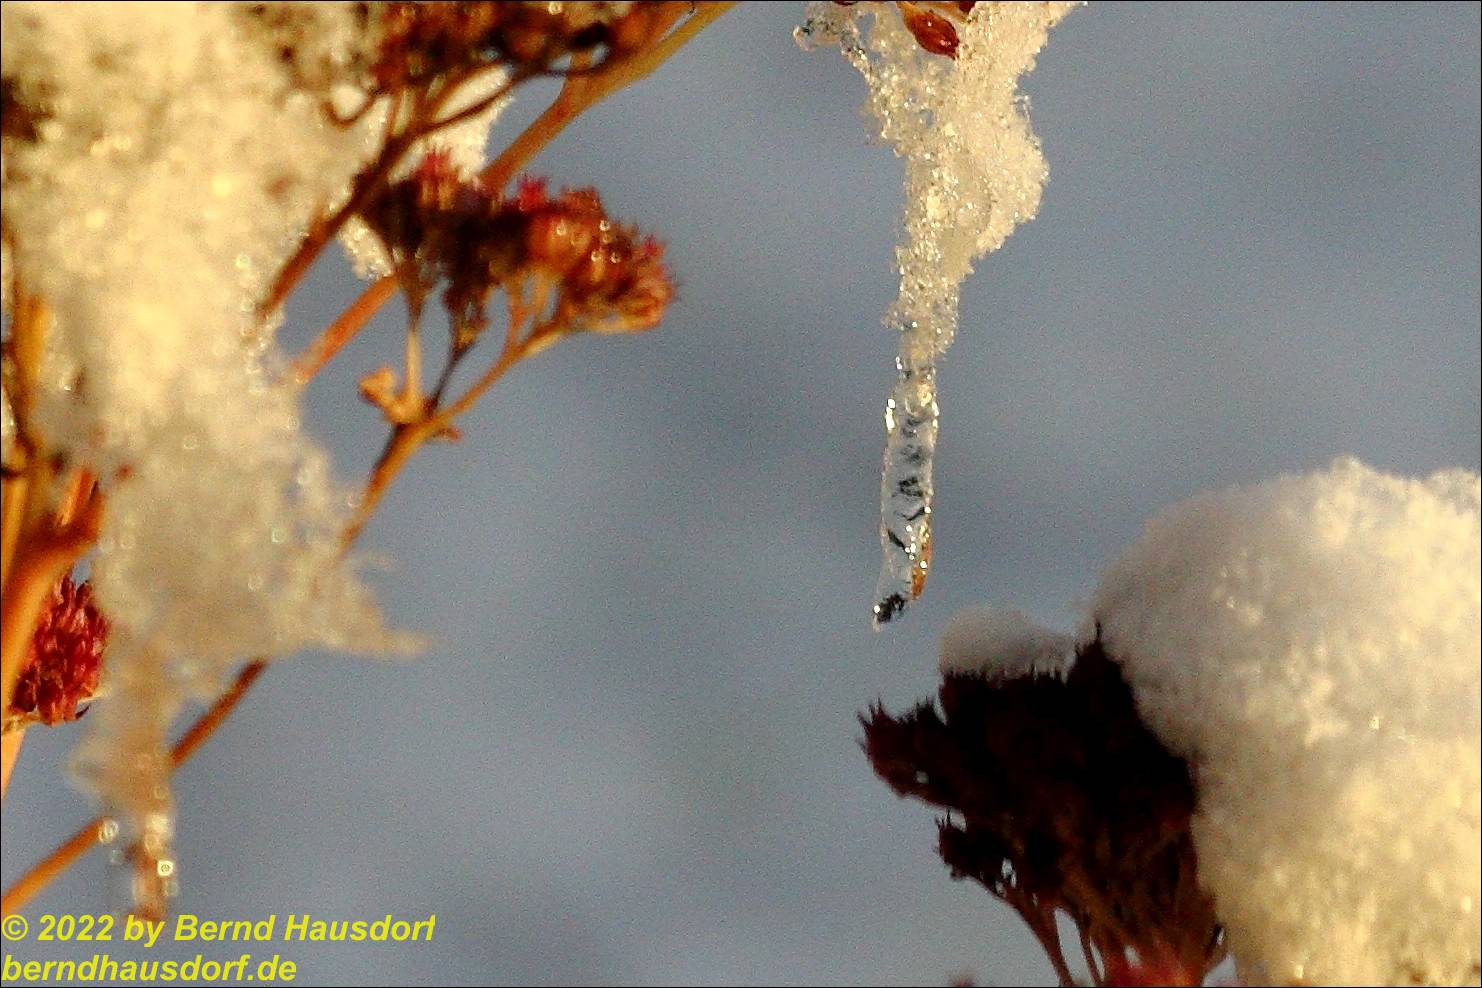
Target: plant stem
[[342, 330], [582, 92], [10, 750], [27, 340]]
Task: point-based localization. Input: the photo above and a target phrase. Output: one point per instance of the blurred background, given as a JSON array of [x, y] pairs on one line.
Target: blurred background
[[630, 754]]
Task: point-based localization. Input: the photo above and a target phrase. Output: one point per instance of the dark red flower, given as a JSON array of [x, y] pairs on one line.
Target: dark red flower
[[1060, 800]]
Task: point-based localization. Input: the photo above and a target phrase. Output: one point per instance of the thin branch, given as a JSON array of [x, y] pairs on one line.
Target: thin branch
[[1098, 977], [26, 342], [395, 146], [340, 332]]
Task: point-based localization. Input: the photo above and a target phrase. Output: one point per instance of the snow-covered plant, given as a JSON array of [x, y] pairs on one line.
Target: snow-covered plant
[[1059, 801], [171, 173], [1300, 659], [1265, 738]]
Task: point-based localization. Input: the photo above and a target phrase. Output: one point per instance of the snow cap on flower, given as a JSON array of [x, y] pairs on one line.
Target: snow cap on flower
[[1058, 799], [1311, 645]]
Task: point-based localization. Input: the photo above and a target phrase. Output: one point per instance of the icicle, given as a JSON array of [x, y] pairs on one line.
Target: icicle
[[973, 172], [905, 489]]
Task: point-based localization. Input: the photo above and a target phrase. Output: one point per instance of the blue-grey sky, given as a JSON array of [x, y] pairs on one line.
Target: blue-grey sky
[[630, 753]]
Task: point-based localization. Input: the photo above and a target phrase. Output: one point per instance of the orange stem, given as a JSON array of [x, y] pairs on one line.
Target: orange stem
[[342, 330]]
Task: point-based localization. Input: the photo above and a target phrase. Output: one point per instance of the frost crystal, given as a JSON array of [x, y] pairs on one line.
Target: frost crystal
[[181, 150], [974, 171], [1311, 645]]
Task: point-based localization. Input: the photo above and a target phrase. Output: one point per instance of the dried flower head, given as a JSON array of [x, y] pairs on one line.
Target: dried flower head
[[62, 668], [421, 41], [1058, 799], [561, 258]]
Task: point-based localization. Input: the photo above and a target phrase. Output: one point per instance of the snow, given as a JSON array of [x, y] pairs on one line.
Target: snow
[[1311, 645], [180, 156], [973, 172], [1003, 642]]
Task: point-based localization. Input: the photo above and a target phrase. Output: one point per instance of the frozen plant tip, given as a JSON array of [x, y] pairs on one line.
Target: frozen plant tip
[[943, 82]]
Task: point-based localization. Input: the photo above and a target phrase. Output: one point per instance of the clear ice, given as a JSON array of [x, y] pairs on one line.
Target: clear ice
[[974, 171]]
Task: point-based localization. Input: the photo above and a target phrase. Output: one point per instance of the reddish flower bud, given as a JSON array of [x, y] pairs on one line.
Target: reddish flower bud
[[530, 194], [621, 285], [933, 24], [62, 668], [439, 186], [644, 293], [558, 239]]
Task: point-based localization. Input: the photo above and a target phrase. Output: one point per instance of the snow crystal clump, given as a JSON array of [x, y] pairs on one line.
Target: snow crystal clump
[[179, 153], [974, 171], [1311, 645], [1003, 642]]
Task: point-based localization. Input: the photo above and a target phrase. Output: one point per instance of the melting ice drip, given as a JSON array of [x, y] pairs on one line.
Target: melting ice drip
[[974, 171]]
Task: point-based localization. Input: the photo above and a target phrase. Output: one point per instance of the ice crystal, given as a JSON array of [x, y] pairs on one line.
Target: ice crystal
[[1311, 645], [974, 171], [181, 151]]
